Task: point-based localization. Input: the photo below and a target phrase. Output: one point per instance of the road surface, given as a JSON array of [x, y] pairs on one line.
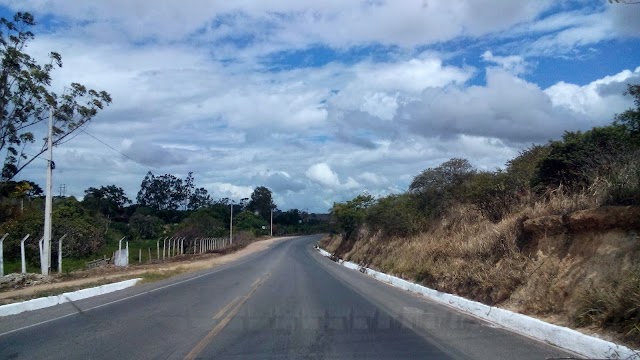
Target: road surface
[[286, 302]]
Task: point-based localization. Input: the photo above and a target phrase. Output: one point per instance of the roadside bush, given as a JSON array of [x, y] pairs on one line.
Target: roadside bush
[[437, 189], [351, 214], [493, 193], [200, 224], [145, 226], [579, 158], [394, 215]]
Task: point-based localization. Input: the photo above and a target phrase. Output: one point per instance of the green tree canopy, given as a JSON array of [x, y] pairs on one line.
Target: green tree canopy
[[108, 200], [352, 213], [261, 202]]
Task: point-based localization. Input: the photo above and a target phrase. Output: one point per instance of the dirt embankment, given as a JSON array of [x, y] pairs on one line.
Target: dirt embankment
[[43, 286], [579, 269]]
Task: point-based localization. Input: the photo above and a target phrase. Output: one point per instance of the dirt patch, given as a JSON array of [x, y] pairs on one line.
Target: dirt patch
[[149, 272]]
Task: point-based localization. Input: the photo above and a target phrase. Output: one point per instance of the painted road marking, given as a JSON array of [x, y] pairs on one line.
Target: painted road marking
[[226, 308], [225, 321]]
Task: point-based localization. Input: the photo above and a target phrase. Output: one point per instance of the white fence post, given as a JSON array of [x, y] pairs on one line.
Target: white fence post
[[60, 253], [1, 254], [40, 247], [157, 250], [24, 264], [174, 246], [164, 247], [1, 258]]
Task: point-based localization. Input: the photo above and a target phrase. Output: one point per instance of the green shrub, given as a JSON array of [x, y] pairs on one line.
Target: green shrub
[[394, 215]]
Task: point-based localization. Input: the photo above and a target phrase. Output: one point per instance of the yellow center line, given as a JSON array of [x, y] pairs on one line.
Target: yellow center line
[[223, 323], [226, 308]]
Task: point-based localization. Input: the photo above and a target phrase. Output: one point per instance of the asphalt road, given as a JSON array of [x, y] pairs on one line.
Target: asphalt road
[[287, 302]]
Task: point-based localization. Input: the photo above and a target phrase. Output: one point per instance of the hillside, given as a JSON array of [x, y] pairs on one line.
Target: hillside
[[554, 235]]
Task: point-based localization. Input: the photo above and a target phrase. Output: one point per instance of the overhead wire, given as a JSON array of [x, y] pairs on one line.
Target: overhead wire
[[116, 150]]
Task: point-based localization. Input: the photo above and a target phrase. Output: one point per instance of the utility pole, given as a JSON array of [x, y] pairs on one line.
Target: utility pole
[[231, 225], [271, 226], [44, 264]]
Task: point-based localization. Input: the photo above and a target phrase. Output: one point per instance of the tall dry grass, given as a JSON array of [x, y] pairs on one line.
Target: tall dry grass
[[466, 254]]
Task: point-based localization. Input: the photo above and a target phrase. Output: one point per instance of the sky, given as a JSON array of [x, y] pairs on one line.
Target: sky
[[323, 100]]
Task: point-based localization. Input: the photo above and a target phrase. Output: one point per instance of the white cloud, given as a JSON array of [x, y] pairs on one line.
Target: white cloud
[[187, 98], [293, 23], [230, 190], [514, 64], [323, 175], [597, 100], [514, 110]]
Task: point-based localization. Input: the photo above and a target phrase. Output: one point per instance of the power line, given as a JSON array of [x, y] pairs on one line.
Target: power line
[[118, 151]]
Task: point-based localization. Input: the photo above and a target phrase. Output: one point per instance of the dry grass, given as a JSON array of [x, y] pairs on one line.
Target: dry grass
[[614, 304], [560, 276]]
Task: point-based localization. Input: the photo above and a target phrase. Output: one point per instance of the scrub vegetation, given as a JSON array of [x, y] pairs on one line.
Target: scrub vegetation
[[553, 234]]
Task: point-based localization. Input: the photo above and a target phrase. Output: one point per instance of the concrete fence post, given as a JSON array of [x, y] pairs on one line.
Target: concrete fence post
[[60, 253], [1, 255], [139, 255], [40, 246], [164, 247], [149, 254], [157, 249], [24, 264]]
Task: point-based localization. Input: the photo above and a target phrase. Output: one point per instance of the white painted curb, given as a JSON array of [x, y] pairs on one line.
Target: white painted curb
[[588, 346], [40, 303]]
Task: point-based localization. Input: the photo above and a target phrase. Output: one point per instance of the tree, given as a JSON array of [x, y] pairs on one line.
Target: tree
[[145, 226], [580, 157], [352, 213], [289, 217], [20, 189], [108, 200], [164, 192], [630, 119], [25, 97], [436, 188], [201, 223], [449, 173], [262, 202], [199, 198], [249, 221]]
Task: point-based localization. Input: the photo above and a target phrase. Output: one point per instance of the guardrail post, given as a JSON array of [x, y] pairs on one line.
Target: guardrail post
[[24, 264], [1, 255]]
